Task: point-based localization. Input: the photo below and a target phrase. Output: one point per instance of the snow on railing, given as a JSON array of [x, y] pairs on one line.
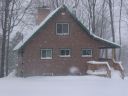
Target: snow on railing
[[99, 62]]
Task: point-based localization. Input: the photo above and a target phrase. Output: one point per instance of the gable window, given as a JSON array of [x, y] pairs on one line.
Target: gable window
[[86, 52], [62, 29], [46, 53], [64, 52]]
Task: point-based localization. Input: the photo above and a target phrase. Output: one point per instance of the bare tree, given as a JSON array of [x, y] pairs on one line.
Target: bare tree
[[121, 1], [112, 28], [92, 5], [102, 20], [10, 17], [4, 21], [112, 24]]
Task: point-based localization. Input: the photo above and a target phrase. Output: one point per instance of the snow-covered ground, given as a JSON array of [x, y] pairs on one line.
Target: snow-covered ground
[[63, 86]]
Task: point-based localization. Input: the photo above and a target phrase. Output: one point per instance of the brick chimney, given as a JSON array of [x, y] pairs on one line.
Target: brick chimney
[[42, 13]]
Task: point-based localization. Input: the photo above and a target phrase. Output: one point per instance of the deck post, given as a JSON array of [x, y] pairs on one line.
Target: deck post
[[106, 53], [113, 54]]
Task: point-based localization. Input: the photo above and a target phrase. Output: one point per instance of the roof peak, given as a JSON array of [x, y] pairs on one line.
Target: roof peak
[[25, 41]]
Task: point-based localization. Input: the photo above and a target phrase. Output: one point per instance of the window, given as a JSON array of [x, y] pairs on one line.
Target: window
[[62, 29], [86, 52], [65, 52], [46, 53]]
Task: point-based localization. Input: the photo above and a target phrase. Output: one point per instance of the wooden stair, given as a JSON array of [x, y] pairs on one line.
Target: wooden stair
[[108, 64]]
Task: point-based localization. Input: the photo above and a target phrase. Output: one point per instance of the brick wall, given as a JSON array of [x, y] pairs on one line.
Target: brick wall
[[47, 38]]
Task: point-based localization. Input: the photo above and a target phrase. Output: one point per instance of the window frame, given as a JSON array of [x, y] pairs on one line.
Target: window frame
[[65, 55], [61, 34], [86, 55], [46, 53]]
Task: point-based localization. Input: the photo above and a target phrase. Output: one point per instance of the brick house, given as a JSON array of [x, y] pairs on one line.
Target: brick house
[[59, 45]]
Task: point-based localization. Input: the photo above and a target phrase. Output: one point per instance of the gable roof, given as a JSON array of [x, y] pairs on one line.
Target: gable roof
[[22, 43]]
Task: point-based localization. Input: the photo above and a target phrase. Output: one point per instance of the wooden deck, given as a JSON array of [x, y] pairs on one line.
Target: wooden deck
[[106, 64]]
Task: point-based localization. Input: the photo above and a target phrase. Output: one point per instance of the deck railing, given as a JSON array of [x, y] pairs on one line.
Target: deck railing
[[114, 64], [94, 65]]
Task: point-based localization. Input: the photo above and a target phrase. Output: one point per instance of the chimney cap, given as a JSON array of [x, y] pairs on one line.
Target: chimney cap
[[43, 7]]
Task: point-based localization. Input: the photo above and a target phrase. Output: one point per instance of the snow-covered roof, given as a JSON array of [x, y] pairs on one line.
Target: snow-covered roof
[[27, 38], [36, 29], [105, 40]]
